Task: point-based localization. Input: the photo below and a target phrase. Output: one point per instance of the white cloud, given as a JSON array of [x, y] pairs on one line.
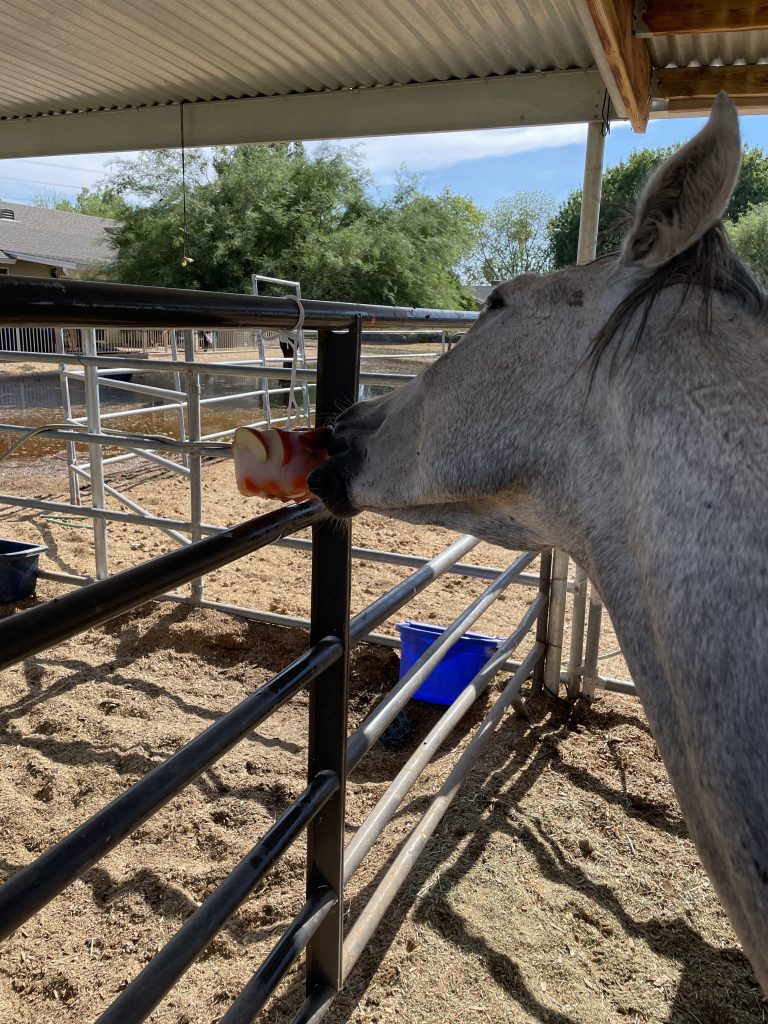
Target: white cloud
[[21, 179], [385, 155]]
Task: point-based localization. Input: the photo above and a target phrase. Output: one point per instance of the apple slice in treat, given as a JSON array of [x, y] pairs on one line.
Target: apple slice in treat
[[276, 463]]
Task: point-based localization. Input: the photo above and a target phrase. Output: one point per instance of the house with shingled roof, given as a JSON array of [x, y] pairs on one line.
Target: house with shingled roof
[[39, 242]]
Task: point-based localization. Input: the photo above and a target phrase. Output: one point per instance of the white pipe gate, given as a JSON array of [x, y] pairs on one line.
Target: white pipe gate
[[324, 669], [104, 370]]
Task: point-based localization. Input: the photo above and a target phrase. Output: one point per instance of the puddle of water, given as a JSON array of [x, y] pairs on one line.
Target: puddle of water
[[372, 391], [36, 399]]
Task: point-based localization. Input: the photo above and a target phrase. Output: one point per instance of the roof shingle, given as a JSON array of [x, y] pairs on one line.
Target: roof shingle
[[53, 235]]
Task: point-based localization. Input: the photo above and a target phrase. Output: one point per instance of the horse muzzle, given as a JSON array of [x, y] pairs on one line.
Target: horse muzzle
[[330, 482]]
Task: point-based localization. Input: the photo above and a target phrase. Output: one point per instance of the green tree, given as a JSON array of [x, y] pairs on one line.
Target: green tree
[[50, 199], [514, 238], [277, 210], [416, 244], [750, 239], [752, 186], [101, 201], [622, 186]]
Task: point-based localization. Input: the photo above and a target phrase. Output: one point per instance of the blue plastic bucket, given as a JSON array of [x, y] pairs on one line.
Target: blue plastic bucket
[[18, 569], [459, 665]]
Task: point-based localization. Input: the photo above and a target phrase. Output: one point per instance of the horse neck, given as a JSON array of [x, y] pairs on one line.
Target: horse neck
[[676, 543], [678, 522]]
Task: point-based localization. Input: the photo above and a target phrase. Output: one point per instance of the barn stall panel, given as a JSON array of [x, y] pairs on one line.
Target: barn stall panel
[[324, 668]]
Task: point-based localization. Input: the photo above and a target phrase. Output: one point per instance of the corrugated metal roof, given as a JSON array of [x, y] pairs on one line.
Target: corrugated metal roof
[[90, 75], [96, 54], [718, 48]]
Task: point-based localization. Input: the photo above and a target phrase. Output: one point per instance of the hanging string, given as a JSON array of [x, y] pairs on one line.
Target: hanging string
[[186, 259]]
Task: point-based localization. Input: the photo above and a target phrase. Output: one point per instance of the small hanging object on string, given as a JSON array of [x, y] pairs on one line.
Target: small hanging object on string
[[275, 463]]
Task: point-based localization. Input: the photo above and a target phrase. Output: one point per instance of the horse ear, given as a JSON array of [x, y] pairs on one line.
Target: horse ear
[[689, 193]]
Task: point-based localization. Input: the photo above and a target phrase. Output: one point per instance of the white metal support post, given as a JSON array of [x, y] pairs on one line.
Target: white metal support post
[[578, 615], [557, 597], [177, 385], [265, 381], [587, 246], [74, 483], [96, 467], [592, 649], [194, 430], [587, 249]]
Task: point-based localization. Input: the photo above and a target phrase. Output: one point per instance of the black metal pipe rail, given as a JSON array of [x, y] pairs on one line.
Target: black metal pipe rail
[[284, 954], [37, 628], [31, 301], [319, 1000], [137, 1001], [337, 369], [325, 665], [38, 883], [141, 996], [318, 927]]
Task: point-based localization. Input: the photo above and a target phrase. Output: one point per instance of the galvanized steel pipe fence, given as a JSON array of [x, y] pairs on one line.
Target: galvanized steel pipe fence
[[36, 301], [320, 809]]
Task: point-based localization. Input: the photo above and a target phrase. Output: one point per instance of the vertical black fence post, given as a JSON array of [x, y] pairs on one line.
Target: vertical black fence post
[[337, 376], [545, 573]]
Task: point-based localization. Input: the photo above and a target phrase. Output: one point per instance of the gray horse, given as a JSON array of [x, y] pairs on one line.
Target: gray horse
[[619, 411]]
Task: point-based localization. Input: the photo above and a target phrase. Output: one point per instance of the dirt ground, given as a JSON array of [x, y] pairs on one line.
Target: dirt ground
[[561, 886]]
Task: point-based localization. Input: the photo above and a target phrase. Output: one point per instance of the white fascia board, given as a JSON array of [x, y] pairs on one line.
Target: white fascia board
[[534, 98], [48, 261]]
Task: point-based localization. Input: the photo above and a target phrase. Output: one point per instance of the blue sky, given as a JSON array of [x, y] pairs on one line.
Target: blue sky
[[486, 165]]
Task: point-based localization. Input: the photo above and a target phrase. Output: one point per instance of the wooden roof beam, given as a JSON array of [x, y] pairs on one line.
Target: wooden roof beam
[[694, 17], [621, 58], [692, 90]]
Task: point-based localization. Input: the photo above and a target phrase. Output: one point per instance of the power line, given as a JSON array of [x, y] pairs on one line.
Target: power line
[[64, 167], [34, 181]]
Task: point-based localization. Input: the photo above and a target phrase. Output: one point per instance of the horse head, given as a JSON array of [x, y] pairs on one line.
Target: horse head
[[619, 411], [500, 435]]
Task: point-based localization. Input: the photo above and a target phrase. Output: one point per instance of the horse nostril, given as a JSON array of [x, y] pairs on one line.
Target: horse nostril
[[337, 445], [330, 486]]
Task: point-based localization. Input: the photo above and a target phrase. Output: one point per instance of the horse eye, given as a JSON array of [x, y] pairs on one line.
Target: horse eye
[[494, 301]]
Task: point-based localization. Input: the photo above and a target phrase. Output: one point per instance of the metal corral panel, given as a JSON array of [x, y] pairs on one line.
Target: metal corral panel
[[99, 54]]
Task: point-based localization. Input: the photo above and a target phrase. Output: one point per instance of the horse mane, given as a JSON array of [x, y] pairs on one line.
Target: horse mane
[[711, 265]]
